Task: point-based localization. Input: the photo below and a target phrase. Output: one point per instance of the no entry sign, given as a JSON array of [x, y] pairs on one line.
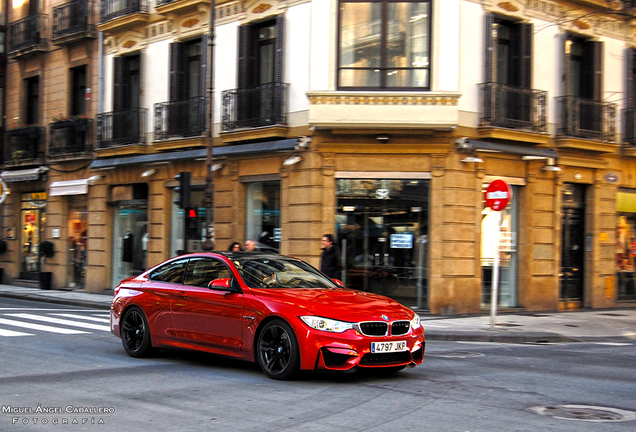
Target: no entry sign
[[498, 194]]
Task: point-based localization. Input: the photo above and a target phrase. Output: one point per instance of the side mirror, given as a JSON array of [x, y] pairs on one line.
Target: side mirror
[[338, 282], [223, 284]]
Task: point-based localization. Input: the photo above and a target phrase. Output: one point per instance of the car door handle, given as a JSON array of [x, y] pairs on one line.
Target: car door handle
[[182, 294]]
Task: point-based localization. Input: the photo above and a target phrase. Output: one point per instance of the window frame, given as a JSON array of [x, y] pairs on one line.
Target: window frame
[[383, 49]]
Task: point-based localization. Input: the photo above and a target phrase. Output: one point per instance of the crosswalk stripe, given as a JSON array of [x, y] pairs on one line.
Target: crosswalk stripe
[[89, 318], [33, 326], [11, 333], [61, 321]]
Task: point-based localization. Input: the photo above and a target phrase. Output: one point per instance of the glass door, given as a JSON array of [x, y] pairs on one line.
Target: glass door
[[382, 231]]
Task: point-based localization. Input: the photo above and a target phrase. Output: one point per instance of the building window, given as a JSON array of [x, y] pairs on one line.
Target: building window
[[384, 45], [32, 100], [78, 91], [626, 244]]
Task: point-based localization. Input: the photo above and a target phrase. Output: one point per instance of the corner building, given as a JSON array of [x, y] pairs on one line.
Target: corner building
[[379, 121]]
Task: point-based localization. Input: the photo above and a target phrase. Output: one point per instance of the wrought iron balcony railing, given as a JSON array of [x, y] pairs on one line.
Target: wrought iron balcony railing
[[120, 128], [587, 119], [111, 9], [70, 137], [180, 119], [25, 146], [73, 18], [266, 105], [513, 107], [28, 33]]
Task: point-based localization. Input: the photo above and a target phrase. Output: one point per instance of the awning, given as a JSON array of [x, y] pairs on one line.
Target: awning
[[69, 187], [225, 151], [23, 175], [484, 146]]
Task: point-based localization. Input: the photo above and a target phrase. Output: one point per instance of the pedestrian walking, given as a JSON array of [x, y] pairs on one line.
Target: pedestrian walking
[[330, 262], [235, 247], [250, 246]]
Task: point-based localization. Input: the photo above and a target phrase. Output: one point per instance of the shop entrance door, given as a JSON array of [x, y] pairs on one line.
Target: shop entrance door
[[572, 244], [383, 235]]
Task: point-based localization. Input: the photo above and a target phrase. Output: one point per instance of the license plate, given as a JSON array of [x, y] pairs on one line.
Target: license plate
[[386, 347]]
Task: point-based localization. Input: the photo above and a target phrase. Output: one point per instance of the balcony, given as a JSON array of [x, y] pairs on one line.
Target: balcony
[[121, 128], [73, 22], [180, 119], [25, 146], [28, 36], [509, 107], [165, 7], [586, 124], [265, 106], [71, 139], [118, 15]]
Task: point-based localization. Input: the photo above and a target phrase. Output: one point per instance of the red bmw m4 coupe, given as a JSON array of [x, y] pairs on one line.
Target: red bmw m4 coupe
[[272, 309]]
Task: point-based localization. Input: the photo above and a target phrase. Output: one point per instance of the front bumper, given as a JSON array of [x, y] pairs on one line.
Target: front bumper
[[348, 350]]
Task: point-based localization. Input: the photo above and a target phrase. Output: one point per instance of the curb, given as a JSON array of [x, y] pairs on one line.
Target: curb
[[53, 300]]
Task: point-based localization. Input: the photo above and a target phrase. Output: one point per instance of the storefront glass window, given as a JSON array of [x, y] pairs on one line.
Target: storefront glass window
[[626, 245], [382, 231], [508, 262], [263, 214], [33, 223], [194, 229], [77, 241], [130, 239]]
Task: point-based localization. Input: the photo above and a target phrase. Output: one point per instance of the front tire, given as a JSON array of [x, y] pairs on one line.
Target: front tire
[[135, 333], [277, 350]]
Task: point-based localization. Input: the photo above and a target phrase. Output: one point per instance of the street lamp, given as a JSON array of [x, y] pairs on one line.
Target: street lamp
[[208, 244]]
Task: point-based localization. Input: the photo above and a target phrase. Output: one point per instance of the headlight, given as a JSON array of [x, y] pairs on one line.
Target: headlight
[[415, 322], [326, 324]]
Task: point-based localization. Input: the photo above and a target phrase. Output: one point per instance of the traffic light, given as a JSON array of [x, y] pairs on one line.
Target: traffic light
[[183, 190], [192, 224]]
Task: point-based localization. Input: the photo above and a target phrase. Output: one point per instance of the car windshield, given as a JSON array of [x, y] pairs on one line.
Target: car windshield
[[276, 272]]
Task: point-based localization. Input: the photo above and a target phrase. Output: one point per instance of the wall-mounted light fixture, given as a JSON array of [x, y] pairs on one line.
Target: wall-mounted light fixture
[[532, 157], [551, 166], [148, 173], [94, 178], [472, 159], [292, 160], [216, 167], [382, 138]]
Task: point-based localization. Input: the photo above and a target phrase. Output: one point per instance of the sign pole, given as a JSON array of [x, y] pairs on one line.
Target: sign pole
[[498, 194], [494, 293]]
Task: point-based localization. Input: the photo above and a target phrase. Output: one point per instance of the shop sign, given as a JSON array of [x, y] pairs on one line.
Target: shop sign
[[401, 241], [498, 195]]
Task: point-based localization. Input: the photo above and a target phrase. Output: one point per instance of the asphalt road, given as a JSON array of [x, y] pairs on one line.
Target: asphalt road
[[459, 387]]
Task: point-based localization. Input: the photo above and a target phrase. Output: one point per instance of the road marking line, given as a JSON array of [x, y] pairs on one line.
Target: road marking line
[[39, 327], [101, 320], [61, 321], [11, 333]]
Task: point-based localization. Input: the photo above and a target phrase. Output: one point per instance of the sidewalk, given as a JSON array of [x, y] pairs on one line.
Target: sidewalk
[[606, 325]]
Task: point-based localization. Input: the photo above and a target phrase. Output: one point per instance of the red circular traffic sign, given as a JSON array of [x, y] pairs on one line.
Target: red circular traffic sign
[[498, 194]]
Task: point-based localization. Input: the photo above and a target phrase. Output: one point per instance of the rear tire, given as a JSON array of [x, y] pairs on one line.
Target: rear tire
[[135, 333]]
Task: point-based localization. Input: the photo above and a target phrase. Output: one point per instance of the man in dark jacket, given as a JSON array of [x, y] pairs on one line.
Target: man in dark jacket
[[330, 262]]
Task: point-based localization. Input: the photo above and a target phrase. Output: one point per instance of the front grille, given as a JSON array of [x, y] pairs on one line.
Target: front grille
[[386, 359], [400, 328], [374, 328]]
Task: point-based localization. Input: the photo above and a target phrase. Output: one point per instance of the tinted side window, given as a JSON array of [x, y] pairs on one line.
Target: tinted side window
[[202, 271], [171, 272]]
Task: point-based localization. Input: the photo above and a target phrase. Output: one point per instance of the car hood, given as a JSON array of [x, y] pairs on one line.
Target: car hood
[[341, 303]]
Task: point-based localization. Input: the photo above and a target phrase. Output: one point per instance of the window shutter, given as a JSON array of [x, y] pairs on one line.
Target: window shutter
[[118, 84], [203, 82], [526, 55], [243, 63], [598, 70], [490, 49], [278, 59], [177, 71], [629, 55]]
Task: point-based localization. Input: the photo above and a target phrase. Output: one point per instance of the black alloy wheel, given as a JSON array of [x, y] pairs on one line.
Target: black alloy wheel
[[277, 350], [135, 333]]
